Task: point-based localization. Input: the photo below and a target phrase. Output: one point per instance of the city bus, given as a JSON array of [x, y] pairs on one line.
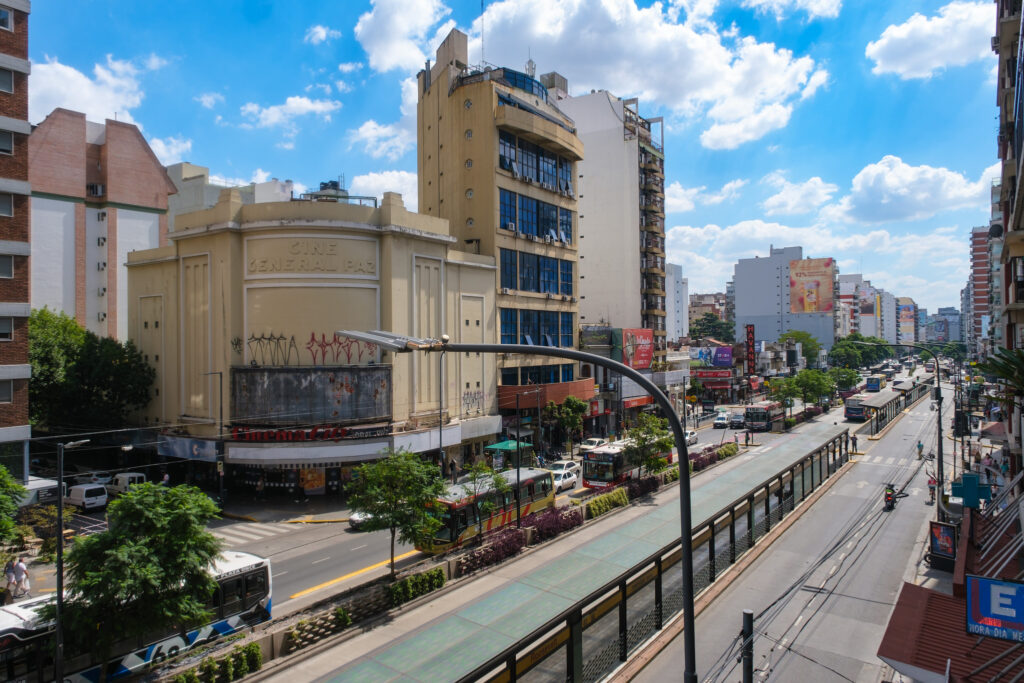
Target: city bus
[[242, 600], [764, 416], [608, 465], [853, 408], [875, 383], [460, 519]]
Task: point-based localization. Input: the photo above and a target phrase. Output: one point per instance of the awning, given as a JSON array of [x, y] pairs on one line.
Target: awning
[[637, 402], [716, 385], [508, 446]]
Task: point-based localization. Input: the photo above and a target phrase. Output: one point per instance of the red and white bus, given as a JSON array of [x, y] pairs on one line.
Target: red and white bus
[[763, 416], [608, 465]]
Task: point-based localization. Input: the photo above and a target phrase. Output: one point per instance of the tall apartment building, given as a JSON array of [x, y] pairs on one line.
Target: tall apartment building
[[98, 193], [15, 190], [906, 320], [948, 321], [980, 274], [497, 158], [786, 292], [678, 321], [622, 211], [849, 303]]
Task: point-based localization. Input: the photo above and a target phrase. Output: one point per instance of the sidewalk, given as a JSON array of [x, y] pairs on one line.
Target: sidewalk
[[314, 509]]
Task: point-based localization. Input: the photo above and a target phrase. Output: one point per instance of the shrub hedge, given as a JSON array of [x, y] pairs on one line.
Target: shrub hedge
[[553, 521], [414, 586], [637, 488], [598, 505], [240, 662]]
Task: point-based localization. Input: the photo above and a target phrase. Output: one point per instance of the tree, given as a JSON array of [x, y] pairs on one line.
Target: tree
[[783, 389], [1007, 366], [869, 355], [650, 437], [813, 384], [710, 325], [43, 520], [810, 345], [11, 492], [844, 378], [79, 378], [845, 355], [396, 493], [149, 572], [480, 481], [567, 416], [954, 350]]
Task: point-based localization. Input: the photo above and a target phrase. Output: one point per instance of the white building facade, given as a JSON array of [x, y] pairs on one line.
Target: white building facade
[[677, 322]]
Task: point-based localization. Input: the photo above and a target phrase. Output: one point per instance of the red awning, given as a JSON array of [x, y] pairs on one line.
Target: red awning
[[637, 402], [716, 385]]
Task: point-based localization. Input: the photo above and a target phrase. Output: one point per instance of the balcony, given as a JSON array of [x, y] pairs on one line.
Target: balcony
[[288, 396], [583, 389], [539, 130]]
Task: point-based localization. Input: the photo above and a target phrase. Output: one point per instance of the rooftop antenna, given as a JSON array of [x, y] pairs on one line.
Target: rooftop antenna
[[482, 10], [531, 66]]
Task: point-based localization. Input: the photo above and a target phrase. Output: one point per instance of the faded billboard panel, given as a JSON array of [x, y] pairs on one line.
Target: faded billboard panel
[[810, 285]]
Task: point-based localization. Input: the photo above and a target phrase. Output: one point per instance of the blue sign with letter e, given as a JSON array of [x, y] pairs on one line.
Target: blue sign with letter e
[[995, 608]]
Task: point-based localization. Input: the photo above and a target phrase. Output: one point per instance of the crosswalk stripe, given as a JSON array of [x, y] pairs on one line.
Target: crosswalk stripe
[[248, 533], [878, 459], [890, 461]]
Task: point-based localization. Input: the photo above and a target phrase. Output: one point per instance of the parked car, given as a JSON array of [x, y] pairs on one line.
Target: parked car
[[721, 421], [592, 443], [101, 478], [565, 466], [86, 496], [737, 421], [358, 518], [691, 437], [565, 480]]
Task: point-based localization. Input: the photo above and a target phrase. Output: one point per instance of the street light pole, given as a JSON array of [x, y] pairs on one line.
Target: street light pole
[[58, 659], [519, 447]]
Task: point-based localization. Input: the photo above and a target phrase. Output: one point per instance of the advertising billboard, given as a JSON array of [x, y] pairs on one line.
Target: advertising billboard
[[905, 316], [711, 356], [633, 347], [810, 285], [722, 357]]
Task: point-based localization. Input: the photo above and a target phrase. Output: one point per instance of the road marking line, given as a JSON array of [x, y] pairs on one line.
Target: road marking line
[[833, 570], [842, 556], [322, 559], [890, 461], [798, 620], [350, 575], [280, 573], [850, 544], [359, 547]]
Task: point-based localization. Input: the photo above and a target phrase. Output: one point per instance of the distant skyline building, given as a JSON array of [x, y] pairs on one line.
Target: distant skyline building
[[715, 303], [196, 191], [906, 320], [677, 320]]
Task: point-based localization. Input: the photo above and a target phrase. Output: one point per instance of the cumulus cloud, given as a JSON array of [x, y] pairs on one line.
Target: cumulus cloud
[[959, 34], [170, 150], [376, 184], [209, 100], [284, 115], [113, 91], [729, 191], [395, 33], [382, 140], [349, 67], [154, 62], [892, 190], [679, 199], [320, 34], [796, 198], [258, 176], [824, 9]]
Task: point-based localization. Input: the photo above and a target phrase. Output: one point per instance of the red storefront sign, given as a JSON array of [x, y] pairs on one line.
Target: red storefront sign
[[716, 385], [707, 373], [320, 433], [751, 360], [637, 402], [637, 348]]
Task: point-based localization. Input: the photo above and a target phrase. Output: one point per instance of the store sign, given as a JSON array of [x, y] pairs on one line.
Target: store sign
[[637, 402], [186, 448], [702, 373], [633, 347], [995, 608], [321, 433], [751, 354]]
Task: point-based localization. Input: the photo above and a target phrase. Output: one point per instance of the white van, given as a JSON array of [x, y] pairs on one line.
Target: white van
[[123, 481], [86, 496]]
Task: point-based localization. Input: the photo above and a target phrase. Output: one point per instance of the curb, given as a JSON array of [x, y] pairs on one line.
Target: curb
[[232, 515], [316, 521]]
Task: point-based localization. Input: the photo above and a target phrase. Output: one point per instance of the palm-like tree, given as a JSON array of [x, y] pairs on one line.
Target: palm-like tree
[[1007, 365]]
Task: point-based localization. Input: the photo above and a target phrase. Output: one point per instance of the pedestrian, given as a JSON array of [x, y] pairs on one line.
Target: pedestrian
[[1004, 468], [9, 574], [166, 481], [931, 488], [21, 579], [736, 440], [260, 485], [452, 469], [853, 442]]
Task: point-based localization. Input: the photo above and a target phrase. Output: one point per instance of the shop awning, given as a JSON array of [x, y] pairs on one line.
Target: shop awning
[[637, 402], [508, 446], [715, 385]]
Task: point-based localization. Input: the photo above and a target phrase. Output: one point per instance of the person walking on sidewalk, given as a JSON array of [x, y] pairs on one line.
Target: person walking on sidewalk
[[21, 579], [9, 575], [853, 442], [931, 488]]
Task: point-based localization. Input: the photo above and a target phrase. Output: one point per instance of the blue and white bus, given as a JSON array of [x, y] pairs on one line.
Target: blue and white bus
[[242, 600], [875, 383]]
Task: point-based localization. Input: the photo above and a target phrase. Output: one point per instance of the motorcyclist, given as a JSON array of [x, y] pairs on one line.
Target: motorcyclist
[[890, 496]]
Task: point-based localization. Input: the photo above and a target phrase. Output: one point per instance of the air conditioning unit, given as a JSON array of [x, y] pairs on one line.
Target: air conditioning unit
[[572, 299], [101, 291], [101, 216], [504, 290], [95, 190], [548, 239], [995, 44], [101, 241], [101, 316], [565, 297], [510, 226], [102, 265], [550, 295], [534, 238]]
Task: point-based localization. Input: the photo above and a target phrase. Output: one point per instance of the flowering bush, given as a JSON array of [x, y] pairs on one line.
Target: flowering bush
[[553, 521], [641, 487]]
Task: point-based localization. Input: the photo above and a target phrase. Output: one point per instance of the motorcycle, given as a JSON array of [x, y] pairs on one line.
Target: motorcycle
[[890, 497]]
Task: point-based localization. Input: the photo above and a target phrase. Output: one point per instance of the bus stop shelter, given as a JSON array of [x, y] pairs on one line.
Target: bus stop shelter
[[883, 407]]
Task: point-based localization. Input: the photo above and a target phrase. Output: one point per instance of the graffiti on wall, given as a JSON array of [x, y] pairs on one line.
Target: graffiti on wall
[[236, 345], [472, 401], [271, 349]]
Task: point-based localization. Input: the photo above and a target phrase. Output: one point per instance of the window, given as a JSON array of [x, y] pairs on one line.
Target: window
[[547, 220], [6, 266], [565, 225], [548, 168], [527, 215], [6, 329], [7, 391], [509, 377], [564, 175], [508, 325], [531, 375], [6, 142], [549, 328], [566, 267], [529, 327], [567, 373], [567, 330], [507, 209], [255, 588], [232, 592], [6, 80], [529, 276], [548, 275], [528, 160], [549, 374], [506, 150], [6, 204], [508, 268], [6, 19]]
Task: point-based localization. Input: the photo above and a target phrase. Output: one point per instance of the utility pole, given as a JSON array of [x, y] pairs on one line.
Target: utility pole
[[748, 646]]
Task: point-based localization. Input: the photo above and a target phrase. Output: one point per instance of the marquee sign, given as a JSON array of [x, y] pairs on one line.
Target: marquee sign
[[319, 433]]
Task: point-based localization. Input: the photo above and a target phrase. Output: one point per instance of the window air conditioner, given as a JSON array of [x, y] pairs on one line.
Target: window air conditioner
[[101, 291], [101, 216], [102, 265], [101, 241], [101, 316], [510, 226], [504, 290], [548, 239]]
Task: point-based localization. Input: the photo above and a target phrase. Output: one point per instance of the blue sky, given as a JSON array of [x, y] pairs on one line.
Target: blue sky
[[864, 131]]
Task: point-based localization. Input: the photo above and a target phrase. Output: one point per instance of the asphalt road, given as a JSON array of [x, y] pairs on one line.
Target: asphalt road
[[823, 594]]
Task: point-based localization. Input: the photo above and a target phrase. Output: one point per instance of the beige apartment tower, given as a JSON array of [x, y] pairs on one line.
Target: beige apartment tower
[[497, 159]]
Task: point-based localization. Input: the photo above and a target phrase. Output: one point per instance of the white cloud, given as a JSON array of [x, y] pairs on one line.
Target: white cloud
[[258, 176], [920, 46], [376, 184], [796, 198], [730, 191], [394, 33], [679, 199], [325, 88], [284, 115], [113, 91], [349, 67], [209, 99], [154, 62], [826, 9], [892, 190], [342, 86], [320, 34], [170, 150], [382, 140], [817, 79], [747, 128]]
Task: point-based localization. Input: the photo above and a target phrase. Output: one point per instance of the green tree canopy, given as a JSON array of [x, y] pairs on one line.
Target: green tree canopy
[[869, 355], [845, 355], [844, 378], [647, 439], [150, 571], [81, 379], [395, 492], [784, 390], [11, 493], [710, 325], [813, 385], [567, 416], [810, 345], [1007, 366]]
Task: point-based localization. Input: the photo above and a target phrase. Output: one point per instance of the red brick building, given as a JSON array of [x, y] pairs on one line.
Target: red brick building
[[14, 235], [978, 325]]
